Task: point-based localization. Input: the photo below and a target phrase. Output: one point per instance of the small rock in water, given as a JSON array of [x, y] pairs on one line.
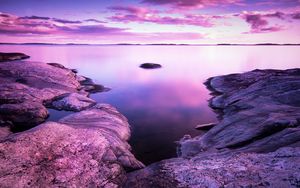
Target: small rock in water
[[12, 56], [150, 66], [206, 126]]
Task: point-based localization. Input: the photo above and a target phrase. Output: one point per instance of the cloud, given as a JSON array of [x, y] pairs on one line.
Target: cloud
[[127, 14], [36, 28], [66, 21], [94, 20], [259, 23], [296, 15], [191, 3], [91, 29], [34, 18], [131, 9], [277, 14], [14, 25]]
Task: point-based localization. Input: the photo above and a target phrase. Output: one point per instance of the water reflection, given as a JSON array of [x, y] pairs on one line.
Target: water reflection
[[161, 113], [163, 104]]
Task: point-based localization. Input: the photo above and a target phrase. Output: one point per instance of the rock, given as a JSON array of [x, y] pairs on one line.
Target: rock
[[254, 111], [73, 102], [4, 131], [23, 115], [275, 169], [85, 149], [96, 88], [12, 56], [206, 126], [255, 144], [26, 86], [57, 65], [150, 66], [74, 70]]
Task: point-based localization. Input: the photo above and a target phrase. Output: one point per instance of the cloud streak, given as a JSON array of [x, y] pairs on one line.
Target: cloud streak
[[35, 26], [127, 14], [192, 3], [11, 24]]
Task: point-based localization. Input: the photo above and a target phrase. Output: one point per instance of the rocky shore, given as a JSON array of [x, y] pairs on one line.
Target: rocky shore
[[256, 142], [85, 149]]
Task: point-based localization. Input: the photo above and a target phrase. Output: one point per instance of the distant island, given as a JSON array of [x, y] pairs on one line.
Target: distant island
[[155, 44]]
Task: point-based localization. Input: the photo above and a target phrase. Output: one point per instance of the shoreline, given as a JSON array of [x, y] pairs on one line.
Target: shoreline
[[252, 131], [256, 142], [86, 148]]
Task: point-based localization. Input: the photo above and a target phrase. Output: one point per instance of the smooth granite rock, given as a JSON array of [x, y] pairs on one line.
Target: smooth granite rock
[[27, 87], [255, 144], [24, 88], [276, 169], [86, 149]]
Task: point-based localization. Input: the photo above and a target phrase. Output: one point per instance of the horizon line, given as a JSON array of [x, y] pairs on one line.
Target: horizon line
[[158, 44]]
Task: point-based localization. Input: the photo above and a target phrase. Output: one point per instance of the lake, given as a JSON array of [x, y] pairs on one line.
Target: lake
[[163, 104]]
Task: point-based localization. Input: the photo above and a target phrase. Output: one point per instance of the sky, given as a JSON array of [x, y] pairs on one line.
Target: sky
[[150, 21]]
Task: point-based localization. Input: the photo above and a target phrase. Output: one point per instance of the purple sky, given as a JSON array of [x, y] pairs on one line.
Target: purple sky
[[150, 21]]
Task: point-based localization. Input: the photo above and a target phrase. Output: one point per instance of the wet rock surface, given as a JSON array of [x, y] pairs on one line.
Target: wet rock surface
[[255, 144], [85, 149]]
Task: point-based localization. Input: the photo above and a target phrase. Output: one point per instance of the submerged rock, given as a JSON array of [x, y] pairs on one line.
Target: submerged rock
[[12, 56], [86, 149], [255, 144], [150, 66]]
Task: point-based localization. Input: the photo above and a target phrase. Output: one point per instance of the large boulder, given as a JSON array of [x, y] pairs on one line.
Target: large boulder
[[260, 111], [27, 87], [255, 144], [85, 149], [24, 88]]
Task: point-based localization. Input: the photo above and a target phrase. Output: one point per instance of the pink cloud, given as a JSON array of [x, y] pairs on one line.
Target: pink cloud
[[296, 15], [44, 29], [192, 3], [128, 14], [132, 9], [259, 23], [13, 25], [265, 21]]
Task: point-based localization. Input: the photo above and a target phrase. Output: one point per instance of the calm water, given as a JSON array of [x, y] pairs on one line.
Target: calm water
[[163, 104]]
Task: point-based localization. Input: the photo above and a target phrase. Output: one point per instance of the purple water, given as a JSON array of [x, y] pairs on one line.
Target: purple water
[[162, 104]]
